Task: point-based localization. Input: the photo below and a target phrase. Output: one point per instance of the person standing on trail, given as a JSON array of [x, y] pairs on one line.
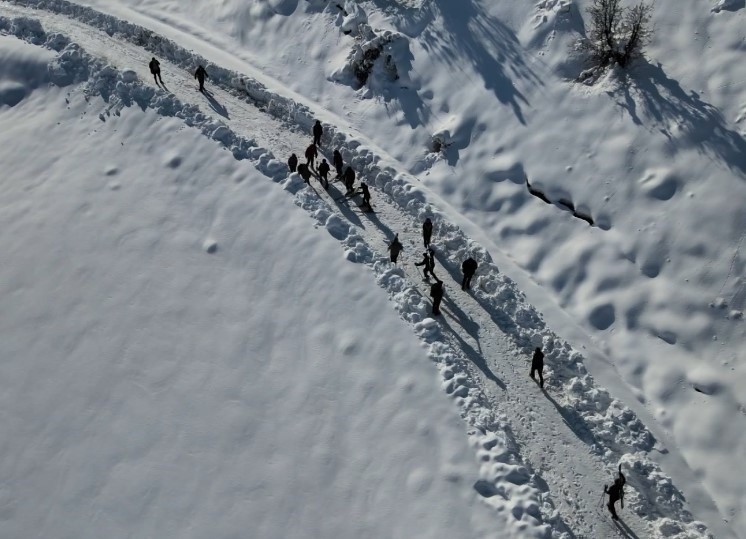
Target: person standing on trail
[[293, 162], [304, 172], [427, 232], [616, 492], [349, 179], [323, 173], [317, 132], [311, 154], [395, 247], [338, 163], [155, 69], [200, 75], [469, 268], [366, 196], [537, 365], [436, 292]]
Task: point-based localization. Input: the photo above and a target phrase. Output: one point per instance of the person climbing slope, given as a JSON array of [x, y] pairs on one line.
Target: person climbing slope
[[200, 75], [537, 365], [427, 232], [338, 163], [293, 162], [436, 292], [395, 247], [317, 132], [324, 173], [311, 154], [616, 493], [469, 268], [155, 69]]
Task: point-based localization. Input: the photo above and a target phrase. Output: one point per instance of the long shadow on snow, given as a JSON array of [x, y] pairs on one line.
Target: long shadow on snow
[[471, 327], [471, 354], [491, 47], [665, 100], [575, 422], [215, 105], [625, 530]]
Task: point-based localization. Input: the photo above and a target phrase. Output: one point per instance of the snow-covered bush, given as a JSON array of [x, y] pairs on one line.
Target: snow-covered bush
[[617, 34]]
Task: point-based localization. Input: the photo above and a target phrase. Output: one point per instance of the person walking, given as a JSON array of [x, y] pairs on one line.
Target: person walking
[[427, 232], [469, 268], [155, 69], [537, 365], [311, 154], [317, 132], [366, 197], [323, 173], [338, 163], [395, 247], [304, 172], [616, 493], [428, 261], [349, 179], [200, 75], [436, 292], [293, 162]]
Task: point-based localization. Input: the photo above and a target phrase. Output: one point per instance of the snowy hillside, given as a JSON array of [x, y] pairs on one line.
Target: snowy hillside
[[176, 318]]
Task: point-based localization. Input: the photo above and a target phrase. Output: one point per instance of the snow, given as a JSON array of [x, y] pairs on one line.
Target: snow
[[650, 293], [150, 389]]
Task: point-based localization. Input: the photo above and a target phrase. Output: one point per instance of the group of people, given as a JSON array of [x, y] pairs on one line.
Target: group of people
[[615, 491], [155, 69], [346, 175]]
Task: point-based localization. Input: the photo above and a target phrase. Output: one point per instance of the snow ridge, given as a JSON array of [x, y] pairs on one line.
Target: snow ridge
[[616, 433]]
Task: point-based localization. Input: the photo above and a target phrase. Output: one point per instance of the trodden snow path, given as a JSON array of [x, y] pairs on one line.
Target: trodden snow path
[[545, 455]]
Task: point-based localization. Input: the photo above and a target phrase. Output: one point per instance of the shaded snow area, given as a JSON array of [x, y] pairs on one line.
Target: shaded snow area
[[201, 344]]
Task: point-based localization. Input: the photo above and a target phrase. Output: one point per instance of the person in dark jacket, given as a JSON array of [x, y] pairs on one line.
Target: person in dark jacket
[[395, 247], [616, 492], [428, 261], [324, 173], [469, 268], [366, 196], [349, 179], [293, 162], [338, 163], [304, 172], [200, 75], [436, 292], [427, 232], [311, 154], [537, 365], [155, 69], [317, 132]]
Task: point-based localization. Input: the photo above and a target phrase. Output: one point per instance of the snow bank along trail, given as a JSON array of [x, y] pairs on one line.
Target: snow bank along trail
[[568, 444]]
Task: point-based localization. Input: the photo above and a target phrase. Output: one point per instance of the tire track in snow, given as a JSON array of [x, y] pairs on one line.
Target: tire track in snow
[[402, 208]]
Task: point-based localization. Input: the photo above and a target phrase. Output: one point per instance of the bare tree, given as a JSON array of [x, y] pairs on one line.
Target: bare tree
[[617, 34]]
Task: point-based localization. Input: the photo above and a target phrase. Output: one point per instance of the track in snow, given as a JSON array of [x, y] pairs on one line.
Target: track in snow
[[555, 446]]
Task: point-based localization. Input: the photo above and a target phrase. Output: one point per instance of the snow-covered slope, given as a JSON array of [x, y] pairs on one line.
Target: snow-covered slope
[[656, 159], [152, 389], [528, 484]]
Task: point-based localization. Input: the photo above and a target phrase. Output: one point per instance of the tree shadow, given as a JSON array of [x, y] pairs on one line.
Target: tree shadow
[[701, 125], [491, 47], [215, 105]]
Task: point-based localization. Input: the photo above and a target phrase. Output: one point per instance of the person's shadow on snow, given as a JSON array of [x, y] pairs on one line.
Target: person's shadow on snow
[[214, 105], [625, 530]]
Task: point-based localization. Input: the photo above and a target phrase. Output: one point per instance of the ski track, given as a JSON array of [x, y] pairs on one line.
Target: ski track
[[544, 456]]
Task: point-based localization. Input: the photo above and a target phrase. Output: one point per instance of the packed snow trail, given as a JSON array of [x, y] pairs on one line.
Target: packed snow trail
[[550, 434]]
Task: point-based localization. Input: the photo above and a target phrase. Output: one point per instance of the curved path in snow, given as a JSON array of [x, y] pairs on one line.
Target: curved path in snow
[[544, 456]]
